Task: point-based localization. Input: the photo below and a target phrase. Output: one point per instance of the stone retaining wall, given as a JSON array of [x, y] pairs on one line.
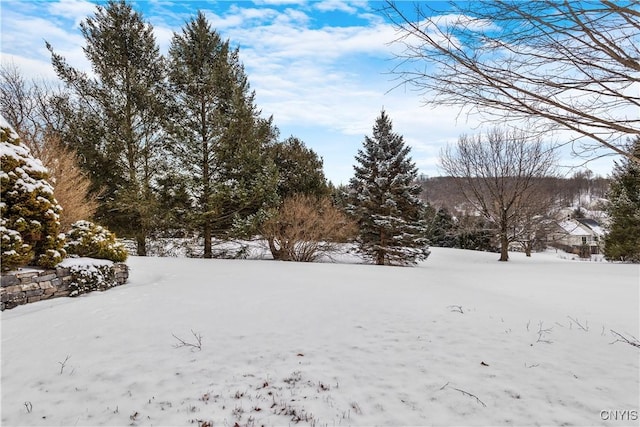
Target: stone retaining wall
[[23, 287]]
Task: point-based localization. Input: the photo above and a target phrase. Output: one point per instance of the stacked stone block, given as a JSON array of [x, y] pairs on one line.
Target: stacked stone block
[[23, 287]]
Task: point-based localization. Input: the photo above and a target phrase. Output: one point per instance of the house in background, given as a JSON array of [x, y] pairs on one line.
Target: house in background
[[581, 236]]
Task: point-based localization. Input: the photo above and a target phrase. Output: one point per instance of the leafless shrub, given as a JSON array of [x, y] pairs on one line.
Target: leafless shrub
[[71, 185], [304, 228]]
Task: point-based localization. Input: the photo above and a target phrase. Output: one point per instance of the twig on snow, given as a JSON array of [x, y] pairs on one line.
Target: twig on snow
[[197, 345], [621, 338], [542, 332], [456, 308], [584, 328], [466, 393], [63, 364]]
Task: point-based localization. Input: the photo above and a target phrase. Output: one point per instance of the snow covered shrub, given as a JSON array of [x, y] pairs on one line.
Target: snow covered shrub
[[305, 228], [88, 278], [29, 214], [87, 239]]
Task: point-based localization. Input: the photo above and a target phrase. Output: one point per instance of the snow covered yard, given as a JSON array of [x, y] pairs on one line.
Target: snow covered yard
[[459, 340]]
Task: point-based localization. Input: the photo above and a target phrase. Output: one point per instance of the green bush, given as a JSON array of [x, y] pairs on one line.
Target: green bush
[[29, 214], [91, 240]]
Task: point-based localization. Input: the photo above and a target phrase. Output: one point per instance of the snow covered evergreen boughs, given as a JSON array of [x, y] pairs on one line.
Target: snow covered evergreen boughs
[[385, 200], [29, 214], [87, 239]]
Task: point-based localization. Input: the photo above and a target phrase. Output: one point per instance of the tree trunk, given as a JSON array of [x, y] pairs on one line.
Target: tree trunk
[[504, 248], [207, 240], [504, 236], [281, 254], [141, 241], [381, 252]]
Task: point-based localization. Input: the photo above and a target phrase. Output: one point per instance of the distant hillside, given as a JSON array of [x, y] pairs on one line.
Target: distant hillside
[[581, 190]]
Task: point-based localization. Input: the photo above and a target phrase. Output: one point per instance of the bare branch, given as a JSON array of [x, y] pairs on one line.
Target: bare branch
[[497, 173], [63, 364], [466, 393], [197, 345], [456, 308], [571, 66], [632, 341], [542, 333], [584, 328]]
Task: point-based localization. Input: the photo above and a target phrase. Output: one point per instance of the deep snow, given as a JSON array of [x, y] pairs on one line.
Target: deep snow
[[459, 340]]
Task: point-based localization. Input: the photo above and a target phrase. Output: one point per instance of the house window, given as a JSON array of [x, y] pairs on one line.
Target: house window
[[584, 240]]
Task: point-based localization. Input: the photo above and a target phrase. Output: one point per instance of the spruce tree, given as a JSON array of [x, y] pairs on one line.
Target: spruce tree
[[217, 134], [385, 199], [623, 240], [442, 229], [114, 115]]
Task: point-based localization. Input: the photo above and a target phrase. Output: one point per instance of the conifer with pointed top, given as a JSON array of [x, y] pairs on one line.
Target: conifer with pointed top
[[113, 115], [217, 136], [384, 199]]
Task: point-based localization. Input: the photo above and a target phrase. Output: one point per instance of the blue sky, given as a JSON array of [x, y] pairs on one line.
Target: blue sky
[[321, 68]]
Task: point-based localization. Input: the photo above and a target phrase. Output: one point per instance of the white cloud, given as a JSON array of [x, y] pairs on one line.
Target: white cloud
[[76, 10], [325, 83], [335, 5], [279, 2]]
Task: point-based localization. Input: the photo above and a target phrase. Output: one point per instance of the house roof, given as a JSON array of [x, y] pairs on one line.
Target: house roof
[[593, 225], [574, 228]]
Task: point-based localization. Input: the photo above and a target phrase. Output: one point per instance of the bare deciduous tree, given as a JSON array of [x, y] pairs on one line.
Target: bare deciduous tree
[[569, 65], [497, 173], [26, 107]]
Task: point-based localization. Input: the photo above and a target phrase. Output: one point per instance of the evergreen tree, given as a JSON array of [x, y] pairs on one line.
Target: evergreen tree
[[217, 134], [442, 229], [114, 115], [299, 169], [623, 240], [385, 199], [29, 214]]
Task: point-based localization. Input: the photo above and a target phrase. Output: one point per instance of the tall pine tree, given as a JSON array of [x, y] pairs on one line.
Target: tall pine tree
[[623, 240], [385, 199], [217, 135], [114, 115]]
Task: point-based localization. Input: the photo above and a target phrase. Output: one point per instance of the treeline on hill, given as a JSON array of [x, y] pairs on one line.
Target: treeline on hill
[[441, 191], [455, 222]]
